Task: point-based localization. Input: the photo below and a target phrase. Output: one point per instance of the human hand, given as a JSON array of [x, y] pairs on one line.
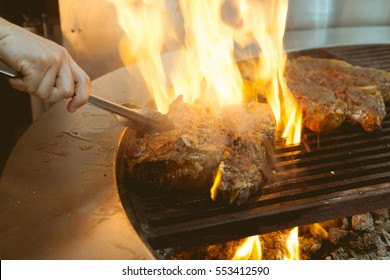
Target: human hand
[[46, 68]]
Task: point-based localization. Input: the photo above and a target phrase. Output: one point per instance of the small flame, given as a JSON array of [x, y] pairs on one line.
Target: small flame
[[217, 182], [317, 230], [293, 245], [250, 249]]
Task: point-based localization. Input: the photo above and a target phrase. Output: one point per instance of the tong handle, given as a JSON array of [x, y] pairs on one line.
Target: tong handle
[[120, 110], [8, 71]]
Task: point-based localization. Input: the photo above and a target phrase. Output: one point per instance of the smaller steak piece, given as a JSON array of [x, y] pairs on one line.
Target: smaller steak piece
[[184, 156], [321, 109], [244, 166], [362, 89]]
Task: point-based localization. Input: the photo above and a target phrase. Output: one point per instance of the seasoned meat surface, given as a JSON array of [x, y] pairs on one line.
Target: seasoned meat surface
[[331, 91], [202, 140], [360, 92], [321, 109], [186, 154], [244, 167]]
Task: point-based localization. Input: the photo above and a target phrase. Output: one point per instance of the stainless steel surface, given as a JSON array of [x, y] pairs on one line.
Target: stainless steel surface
[[321, 14], [142, 117], [331, 37], [343, 36]]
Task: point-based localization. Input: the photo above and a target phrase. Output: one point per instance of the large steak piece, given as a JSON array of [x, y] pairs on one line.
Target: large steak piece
[[203, 141], [184, 156]]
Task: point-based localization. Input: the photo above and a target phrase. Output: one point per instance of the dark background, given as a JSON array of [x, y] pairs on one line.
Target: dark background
[[15, 110]]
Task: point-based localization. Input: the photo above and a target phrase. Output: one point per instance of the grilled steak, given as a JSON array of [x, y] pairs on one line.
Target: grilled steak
[[188, 155], [331, 91], [321, 108], [184, 156], [244, 166], [362, 90]]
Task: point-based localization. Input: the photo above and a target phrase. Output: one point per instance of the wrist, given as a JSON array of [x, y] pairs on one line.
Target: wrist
[[6, 28]]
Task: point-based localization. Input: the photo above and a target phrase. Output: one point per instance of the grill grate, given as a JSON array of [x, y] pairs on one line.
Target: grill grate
[[329, 175]]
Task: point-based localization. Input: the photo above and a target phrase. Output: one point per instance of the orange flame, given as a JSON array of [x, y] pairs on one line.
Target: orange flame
[[213, 74], [250, 249], [317, 230], [266, 20], [217, 182], [206, 69], [147, 28]]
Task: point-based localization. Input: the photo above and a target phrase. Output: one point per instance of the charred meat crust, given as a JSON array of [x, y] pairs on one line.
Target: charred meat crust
[[331, 91], [187, 156], [359, 92]]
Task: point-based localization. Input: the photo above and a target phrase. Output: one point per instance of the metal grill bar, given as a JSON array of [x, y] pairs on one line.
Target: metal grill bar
[[331, 175]]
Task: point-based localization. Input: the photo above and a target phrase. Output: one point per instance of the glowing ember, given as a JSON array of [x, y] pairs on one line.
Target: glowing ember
[[293, 245], [249, 250]]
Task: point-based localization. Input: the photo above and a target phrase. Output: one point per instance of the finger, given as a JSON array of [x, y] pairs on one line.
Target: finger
[[28, 83], [45, 88], [81, 87], [64, 84]]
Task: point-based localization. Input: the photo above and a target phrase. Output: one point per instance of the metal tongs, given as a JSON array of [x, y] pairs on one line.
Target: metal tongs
[[141, 118]]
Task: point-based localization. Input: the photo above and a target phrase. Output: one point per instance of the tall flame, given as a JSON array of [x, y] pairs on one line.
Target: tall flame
[[293, 245], [266, 20], [210, 47], [147, 28], [206, 69]]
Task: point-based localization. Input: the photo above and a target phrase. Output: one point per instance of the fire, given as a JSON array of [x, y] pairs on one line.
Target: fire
[[250, 249], [293, 245], [213, 74], [266, 20], [205, 69], [217, 182], [317, 230], [147, 29]]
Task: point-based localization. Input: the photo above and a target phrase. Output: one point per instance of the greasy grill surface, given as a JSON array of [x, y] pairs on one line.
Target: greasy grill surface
[[330, 175]]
